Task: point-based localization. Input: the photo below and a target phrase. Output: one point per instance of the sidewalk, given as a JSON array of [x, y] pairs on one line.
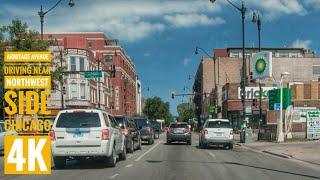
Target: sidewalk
[[308, 151]]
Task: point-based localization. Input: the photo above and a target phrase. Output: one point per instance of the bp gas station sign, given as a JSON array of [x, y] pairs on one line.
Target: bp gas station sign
[[262, 65]]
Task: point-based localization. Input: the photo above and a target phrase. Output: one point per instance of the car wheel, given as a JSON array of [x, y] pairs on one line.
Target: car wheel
[[123, 155], [230, 146], [189, 142], [150, 141], [59, 162], [168, 142], [112, 160], [139, 146], [131, 147], [156, 135]]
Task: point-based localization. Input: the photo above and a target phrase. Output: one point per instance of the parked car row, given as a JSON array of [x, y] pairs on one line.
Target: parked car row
[[92, 133]]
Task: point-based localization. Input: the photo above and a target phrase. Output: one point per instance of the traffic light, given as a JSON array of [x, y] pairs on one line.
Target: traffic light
[[64, 90], [254, 102], [172, 95]]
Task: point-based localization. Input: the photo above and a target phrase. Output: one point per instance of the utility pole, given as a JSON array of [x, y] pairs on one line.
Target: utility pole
[[99, 85], [61, 80]]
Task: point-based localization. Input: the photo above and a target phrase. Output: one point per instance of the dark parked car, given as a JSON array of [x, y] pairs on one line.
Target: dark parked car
[[156, 128], [179, 131], [131, 132], [145, 128]]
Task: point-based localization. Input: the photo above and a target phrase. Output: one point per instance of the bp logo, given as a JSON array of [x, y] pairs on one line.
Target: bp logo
[[260, 65]]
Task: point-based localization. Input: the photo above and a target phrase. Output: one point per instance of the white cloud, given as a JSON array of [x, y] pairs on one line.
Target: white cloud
[[189, 20], [186, 61], [301, 44], [124, 19], [272, 9]]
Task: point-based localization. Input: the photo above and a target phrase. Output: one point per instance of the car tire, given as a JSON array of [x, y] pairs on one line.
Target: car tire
[[150, 141], [231, 146], [156, 135], [123, 155], [59, 162], [189, 142], [168, 142], [131, 146], [139, 146], [112, 160]]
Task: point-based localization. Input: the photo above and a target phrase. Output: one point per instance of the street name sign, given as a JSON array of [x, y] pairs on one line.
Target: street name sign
[[212, 108], [93, 74]]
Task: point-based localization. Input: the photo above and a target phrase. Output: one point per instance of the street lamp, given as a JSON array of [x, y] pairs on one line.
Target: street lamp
[[214, 72], [242, 9], [280, 125], [42, 14], [256, 20]]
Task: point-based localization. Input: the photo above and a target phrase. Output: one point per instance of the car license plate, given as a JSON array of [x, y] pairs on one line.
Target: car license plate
[[219, 134]]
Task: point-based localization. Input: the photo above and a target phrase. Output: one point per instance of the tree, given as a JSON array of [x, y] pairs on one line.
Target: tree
[[156, 108], [185, 112]]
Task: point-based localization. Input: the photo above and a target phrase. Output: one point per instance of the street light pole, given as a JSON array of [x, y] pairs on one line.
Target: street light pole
[[256, 19], [242, 9], [41, 14], [280, 124]]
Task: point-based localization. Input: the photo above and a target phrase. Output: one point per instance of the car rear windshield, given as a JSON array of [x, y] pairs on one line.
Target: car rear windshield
[[218, 124], [178, 125], [141, 122], [78, 120]]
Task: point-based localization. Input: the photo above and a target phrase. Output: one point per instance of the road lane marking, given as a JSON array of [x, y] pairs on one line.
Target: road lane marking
[[142, 155], [111, 177], [129, 165], [211, 154]]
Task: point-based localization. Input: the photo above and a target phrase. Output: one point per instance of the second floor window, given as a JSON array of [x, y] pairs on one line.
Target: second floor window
[[73, 63]]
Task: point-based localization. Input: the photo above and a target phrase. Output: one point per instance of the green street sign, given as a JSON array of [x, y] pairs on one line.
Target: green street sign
[[94, 74], [274, 98], [212, 108]]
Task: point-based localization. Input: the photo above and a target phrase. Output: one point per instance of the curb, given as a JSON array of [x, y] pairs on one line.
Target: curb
[[275, 154]]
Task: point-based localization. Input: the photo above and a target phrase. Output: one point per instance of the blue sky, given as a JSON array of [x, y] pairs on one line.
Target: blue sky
[[161, 35]]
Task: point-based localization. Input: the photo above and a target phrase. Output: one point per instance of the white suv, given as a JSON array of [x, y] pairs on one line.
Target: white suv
[[216, 132], [82, 133]]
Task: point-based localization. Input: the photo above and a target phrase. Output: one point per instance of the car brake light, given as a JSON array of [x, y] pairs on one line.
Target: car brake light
[[105, 134], [126, 131], [149, 129], [52, 135], [205, 132]]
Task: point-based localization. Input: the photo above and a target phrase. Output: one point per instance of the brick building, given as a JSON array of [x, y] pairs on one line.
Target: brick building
[[302, 65], [116, 95]]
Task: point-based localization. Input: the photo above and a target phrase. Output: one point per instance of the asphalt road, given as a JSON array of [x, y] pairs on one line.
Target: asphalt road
[[181, 161]]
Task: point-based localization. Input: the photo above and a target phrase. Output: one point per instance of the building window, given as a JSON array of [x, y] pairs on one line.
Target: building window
[[307, 91], [89, 43], [73, 90], [73, 64], [316, 70], [81, 59], [83, 90]]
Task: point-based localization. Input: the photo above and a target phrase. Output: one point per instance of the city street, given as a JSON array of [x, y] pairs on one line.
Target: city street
[[180, 161]]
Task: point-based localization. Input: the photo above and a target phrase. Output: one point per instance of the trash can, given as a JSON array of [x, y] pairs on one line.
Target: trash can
[[246, 135]]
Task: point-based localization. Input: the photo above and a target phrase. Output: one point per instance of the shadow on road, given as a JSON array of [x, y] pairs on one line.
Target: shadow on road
[[236, 164], [85, 164], [176, 143]]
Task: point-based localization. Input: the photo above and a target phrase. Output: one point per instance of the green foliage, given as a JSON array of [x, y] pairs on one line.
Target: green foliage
[[185, 112], [156, 108]]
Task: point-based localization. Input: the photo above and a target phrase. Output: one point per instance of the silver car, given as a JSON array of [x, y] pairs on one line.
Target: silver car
[[179, 132], [216, 132], [82, 133]]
